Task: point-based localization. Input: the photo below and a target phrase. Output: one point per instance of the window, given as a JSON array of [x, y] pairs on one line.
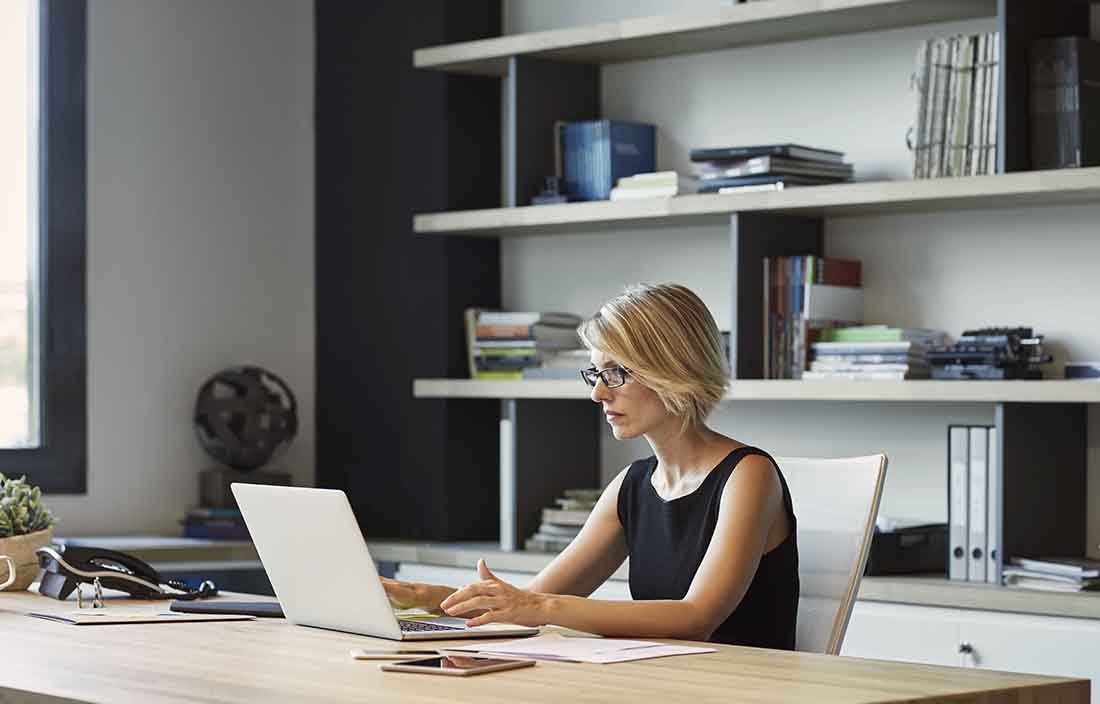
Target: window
[[43, 424]]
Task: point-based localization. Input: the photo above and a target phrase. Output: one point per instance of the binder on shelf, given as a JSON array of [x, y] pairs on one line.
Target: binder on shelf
[[979, 441], [958, 504], [994, 562]]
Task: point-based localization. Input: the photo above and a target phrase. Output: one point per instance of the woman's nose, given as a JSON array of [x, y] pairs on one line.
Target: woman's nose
[[600, 392]]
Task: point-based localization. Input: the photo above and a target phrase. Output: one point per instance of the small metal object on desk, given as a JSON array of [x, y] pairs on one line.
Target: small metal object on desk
[[97, 601], [80, 596]]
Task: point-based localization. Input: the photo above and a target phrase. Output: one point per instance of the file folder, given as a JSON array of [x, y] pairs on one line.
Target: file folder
[[994, 561], [958, 502], [979, 445]]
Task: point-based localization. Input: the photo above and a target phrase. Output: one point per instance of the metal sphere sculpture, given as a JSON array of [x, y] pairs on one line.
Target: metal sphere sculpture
[[245, 417]]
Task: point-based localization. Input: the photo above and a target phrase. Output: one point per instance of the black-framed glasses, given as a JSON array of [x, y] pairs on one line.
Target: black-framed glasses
[[612, 376]]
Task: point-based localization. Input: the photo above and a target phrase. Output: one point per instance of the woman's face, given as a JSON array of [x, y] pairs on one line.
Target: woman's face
[[632, 410]]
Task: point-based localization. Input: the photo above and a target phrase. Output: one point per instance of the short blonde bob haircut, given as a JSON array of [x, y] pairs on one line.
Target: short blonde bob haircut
[[665, 336]]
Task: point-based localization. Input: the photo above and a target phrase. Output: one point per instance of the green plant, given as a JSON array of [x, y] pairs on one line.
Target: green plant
[[21, 508]]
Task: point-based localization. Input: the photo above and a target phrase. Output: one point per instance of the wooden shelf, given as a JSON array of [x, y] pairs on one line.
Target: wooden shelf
[[1053, 391], [1024, 189], [722, 28]]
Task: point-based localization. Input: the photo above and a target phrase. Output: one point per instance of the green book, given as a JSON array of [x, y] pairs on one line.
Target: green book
[[878, 333], [498, 376]]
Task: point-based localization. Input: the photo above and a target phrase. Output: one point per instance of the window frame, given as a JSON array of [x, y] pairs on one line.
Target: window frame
[[59, 463]]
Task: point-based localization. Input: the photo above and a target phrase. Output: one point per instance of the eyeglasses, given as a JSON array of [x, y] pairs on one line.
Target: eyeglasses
[[612, 377]]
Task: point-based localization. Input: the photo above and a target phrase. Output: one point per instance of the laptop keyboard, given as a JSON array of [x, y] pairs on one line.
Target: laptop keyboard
[[413, 626]]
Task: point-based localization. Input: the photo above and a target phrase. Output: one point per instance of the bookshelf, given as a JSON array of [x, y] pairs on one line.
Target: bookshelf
[[556, 75], [1024, 189], [723, 28], [1042, 392]]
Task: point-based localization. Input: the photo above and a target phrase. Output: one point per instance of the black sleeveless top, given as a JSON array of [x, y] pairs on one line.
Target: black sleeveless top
[[667, 541]]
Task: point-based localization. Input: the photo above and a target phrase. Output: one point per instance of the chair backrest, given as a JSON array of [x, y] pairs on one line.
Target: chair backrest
[[835, 503]]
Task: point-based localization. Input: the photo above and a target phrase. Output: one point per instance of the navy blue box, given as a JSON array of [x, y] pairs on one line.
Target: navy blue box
[[597, 153]]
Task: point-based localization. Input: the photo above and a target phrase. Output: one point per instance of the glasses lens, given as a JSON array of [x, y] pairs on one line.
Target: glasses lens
[[589, 376], [614, 377]]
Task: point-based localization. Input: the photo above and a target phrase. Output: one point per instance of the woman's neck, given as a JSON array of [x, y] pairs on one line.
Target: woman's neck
[[686, 453]]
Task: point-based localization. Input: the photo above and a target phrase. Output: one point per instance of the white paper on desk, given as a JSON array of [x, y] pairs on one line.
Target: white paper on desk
[[554, 646]]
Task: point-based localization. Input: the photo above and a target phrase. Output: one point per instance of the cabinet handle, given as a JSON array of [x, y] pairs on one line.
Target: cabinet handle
[[966, 649]]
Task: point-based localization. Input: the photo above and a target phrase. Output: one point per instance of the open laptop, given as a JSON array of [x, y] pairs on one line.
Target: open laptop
[[323, 574]]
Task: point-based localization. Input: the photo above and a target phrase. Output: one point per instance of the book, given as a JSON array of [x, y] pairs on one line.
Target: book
[[861, 375], [905, 347], [708, 171], [717, 184], [1065, 566], [884, 333], [563, 517], [1025, 579], [795, 151]]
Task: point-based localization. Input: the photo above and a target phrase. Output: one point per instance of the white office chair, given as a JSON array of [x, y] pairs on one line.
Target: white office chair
[[835, 502]]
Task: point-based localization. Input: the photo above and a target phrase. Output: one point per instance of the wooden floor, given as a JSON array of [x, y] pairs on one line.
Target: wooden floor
[[269, 660]]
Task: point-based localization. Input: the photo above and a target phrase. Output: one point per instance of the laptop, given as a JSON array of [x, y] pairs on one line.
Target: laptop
[[323, 574]]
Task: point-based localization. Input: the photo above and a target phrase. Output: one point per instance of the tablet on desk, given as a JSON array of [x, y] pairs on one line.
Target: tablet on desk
[[456, 665], [268, 609]]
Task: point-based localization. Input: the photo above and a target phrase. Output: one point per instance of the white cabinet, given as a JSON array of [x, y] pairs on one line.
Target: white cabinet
[[898, 632], [1045, 645], [458, 576]]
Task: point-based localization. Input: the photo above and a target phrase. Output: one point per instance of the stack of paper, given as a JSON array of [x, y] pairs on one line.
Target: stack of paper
[[554, 646]]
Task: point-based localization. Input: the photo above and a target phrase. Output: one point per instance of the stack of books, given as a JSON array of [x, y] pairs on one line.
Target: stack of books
[[1054, 574], [803, 296], [523, 345], [955, 130], [655, 184], [214, 524], [873, 353], [564, 521], [770, 167]]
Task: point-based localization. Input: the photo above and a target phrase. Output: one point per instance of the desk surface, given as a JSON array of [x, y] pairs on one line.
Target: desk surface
[[270, 660]]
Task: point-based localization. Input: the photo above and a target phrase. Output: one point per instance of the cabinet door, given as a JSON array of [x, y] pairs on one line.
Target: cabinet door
[[1042, 645], [885, 631], [457, 576]]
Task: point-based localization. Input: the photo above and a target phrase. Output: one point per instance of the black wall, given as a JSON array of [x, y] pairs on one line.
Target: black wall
[[392, 141]]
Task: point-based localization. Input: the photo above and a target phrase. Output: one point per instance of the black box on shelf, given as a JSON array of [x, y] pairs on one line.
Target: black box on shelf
[[911, 550]]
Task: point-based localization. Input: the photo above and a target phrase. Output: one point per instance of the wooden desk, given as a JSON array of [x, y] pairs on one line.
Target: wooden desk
[[269, 660]]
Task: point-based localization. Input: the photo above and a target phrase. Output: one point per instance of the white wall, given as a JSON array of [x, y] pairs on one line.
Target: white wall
[[950, 270], [200, 238]]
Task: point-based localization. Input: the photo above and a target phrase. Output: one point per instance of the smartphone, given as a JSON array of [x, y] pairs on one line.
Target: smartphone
[[456, 665]]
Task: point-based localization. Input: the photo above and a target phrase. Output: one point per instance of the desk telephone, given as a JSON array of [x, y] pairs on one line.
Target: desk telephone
[[65, 568]]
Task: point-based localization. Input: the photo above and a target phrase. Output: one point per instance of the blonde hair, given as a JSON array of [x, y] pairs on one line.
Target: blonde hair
[[667, 338]]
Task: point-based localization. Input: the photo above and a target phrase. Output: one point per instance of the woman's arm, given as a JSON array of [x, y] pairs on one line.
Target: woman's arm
[[751, 502]]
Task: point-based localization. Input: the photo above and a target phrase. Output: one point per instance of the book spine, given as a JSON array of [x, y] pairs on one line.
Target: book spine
[[920, 129], [992, 141], [839, 272]]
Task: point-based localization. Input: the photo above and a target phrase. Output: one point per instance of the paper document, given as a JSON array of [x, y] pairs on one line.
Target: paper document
[[554, 646]]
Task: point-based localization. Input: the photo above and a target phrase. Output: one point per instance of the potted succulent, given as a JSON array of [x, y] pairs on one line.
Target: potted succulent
[[25, 525]]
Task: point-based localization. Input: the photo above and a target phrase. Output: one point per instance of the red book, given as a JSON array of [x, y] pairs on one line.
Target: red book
[[503, 332], [839, 272]]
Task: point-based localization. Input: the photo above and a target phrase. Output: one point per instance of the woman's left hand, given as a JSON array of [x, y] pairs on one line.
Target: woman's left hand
[[501, 601]]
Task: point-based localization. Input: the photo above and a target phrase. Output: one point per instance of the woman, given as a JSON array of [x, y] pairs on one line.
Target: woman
[[706, 521]]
